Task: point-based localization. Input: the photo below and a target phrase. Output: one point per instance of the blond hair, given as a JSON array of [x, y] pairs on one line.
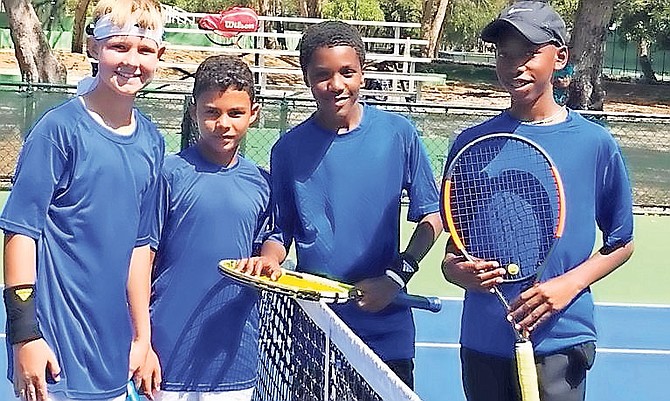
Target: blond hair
[[145, 13]]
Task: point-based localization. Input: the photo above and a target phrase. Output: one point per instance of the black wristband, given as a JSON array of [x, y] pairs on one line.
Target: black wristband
[[404, 267], [22, 323]]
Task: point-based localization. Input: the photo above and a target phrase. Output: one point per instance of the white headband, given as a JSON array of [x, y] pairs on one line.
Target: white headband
[[105, 28]]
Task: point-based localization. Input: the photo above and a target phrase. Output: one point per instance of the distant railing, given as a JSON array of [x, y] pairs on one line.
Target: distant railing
[[176, 15], [392, 53]]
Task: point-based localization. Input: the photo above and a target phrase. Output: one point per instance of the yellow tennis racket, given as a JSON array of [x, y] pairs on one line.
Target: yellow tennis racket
[[311, 287]]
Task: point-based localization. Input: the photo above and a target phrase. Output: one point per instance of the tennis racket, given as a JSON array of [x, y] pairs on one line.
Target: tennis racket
[[503, 201], [310, 287]]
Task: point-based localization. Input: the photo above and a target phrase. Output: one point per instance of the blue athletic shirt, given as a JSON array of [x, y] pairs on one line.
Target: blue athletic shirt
[[205, 326], [86, 195], [339, 199], [597, 192]]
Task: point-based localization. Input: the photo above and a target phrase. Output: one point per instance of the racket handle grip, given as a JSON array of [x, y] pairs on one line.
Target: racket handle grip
[[432, 304], [133, 395], [527, 372]]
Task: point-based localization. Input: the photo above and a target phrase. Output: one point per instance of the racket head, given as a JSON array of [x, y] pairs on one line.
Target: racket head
[[503, 200], [296, 285]]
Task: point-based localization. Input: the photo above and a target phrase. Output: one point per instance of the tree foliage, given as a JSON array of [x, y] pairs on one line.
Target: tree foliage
[[566, 9], [644, 20], [368, 10], [50, 13], [466, 19], [207, 6], [401, 10]]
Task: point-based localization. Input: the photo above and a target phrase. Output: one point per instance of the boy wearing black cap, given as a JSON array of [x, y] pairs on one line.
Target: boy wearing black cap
[[530, 41]]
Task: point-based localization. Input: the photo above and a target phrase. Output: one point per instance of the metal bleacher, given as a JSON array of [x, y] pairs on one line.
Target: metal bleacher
[[392, 55]]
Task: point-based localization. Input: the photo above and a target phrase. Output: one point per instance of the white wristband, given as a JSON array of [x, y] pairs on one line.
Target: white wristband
[[395, 277]]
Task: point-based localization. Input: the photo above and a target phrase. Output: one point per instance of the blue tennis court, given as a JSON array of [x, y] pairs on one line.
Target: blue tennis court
[[633, 359]]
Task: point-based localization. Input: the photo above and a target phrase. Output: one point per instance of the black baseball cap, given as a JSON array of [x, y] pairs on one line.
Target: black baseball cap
[[535, 20]]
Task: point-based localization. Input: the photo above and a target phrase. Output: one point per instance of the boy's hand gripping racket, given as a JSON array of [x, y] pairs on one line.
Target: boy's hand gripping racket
[[315, 288], [503, 201]]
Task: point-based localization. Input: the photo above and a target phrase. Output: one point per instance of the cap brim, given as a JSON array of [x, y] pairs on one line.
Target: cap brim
[[491, 33]]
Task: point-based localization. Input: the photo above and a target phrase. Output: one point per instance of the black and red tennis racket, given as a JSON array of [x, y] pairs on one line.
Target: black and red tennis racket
[[503, 201]]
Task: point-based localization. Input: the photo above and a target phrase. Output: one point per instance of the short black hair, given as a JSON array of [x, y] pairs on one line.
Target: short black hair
[[222, 73], [329, 34]]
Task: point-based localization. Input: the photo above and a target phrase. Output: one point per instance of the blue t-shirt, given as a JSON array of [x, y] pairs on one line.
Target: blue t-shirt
[[86, 195], [597, 192], [339, 199], [205, 326]]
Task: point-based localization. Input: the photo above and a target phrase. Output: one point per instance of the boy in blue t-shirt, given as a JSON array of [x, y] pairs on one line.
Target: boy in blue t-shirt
[[76, 224], [530, 39], [338, 178], [213, 204]]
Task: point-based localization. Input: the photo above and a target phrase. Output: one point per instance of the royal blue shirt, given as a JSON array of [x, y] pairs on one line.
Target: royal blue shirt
[[339, 200], [86, 195], [205, 326], [597, 195]]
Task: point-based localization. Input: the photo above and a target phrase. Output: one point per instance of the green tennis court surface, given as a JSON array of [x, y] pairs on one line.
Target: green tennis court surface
[[643, 279]]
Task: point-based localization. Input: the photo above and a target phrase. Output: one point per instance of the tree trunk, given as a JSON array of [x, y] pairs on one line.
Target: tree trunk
[[434, 13], [310, 8], [314, 8], [586, 54], [648, 74], [78, 28], [33, 53]]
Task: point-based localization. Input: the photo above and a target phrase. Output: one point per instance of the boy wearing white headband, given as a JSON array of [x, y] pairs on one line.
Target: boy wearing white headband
[[77, 221]]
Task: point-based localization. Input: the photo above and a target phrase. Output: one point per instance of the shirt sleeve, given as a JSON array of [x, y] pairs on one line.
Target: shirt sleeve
[[282, 199], [39, 176], [614, 202], [150, 201], [419, 180], [267, 229], [160, 211]]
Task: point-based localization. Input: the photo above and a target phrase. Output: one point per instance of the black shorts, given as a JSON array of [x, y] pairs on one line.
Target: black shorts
[[562, 375], [404, 368]]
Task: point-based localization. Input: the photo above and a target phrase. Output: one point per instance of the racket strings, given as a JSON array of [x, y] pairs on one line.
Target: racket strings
[[504, 202]]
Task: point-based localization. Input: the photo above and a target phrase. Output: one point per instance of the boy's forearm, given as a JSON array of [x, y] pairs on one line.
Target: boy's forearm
[[599, 265], [139, 291], [20, 260], [424, 236], [403, 268]]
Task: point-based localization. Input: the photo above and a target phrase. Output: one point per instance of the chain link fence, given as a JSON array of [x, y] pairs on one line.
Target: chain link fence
[[644, 139]]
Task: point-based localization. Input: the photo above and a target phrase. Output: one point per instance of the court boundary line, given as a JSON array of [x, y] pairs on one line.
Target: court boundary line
[[603, 350], [605, 304]]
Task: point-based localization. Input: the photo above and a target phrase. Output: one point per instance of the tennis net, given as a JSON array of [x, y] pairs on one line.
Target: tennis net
[[308, 354]]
